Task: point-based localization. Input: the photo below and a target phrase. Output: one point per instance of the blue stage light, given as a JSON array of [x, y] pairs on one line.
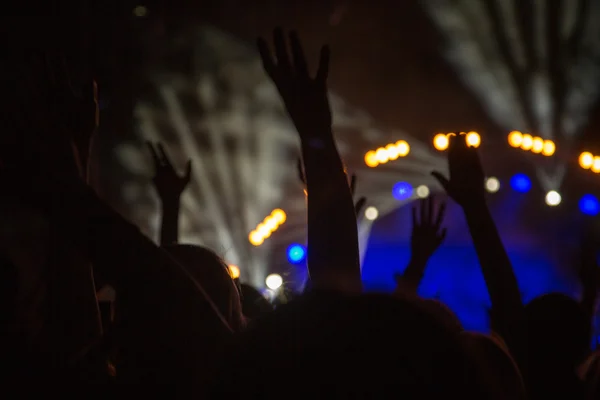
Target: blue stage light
[[296, 253], [402, 191], [589, 205], [521, 183]]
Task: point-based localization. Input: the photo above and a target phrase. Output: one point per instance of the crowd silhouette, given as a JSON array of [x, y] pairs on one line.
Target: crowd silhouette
[[178, 317]]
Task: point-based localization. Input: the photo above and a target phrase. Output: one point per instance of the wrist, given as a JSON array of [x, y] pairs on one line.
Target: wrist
[[169, 203]]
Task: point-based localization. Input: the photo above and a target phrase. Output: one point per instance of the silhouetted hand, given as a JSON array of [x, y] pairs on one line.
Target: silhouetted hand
[[427, 233], [358, 205], [167, 182], [466, 183], [305, 98]]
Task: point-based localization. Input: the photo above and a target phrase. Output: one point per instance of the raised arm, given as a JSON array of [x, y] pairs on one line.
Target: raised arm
[[359, 203], [169, 186], [466, 187], [333, 256], [427, 236]]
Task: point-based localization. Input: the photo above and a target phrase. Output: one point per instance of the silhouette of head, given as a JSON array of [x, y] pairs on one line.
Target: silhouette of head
[[495, 366], [558, 332], [362, 346], [443, 313], [211, 272]]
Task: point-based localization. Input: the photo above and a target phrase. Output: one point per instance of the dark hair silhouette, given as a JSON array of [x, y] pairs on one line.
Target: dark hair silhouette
[[558, 330], [349, 347], [208, 269]]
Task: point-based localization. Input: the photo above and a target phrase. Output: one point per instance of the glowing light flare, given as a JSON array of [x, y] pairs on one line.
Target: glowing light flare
[[266, 228], [371, 159], [586, 160], [274, 281], [515, 139], [553, 198], [234, 271], [441, 141], [279, 216], [371, 213], [534, 144], [492, 184], [596, 165], [422, 191], [390, 152], [473, 139], [537, 145], [520, 183], [402, 191], [549, 148], [296, 253], [527, 143], [589, 204]]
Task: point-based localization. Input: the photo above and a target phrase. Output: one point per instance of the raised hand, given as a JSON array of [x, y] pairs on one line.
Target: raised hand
[[305, 98], [333, 260], [466, 182], [167, 182], [427, 233]]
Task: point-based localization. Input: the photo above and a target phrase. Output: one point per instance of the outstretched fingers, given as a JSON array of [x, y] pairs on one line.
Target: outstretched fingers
[[360, 204], [266, 56], [281, 52], [164, 157], [323, 70], [153, 153], [300, 65]]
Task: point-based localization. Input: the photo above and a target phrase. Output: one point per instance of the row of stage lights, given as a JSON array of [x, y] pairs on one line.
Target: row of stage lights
[[441, 141], [588, 203], [269, 225], [390, 152]]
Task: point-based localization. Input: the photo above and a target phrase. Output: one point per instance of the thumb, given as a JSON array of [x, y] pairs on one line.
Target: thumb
[[442, 180]]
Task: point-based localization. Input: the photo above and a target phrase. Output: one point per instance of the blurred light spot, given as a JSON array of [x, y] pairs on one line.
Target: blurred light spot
[[553, 198], [440, 142], [422, 191], [589, 204], [371, 213], [521, 183], [296, 253], [402, 191], [492, 184], [274, 281]]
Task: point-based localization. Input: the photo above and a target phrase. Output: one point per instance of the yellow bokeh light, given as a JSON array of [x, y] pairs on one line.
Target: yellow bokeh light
[[596, 165], [549, 148], [440, 142], [392, 151], [515, 139], [279, 216], [381, 155], [271, 223], [527, 142], [403, 148], [234, 271], [537, 145], [255, 238], [473, 139], [371, 159], [586, 159]]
